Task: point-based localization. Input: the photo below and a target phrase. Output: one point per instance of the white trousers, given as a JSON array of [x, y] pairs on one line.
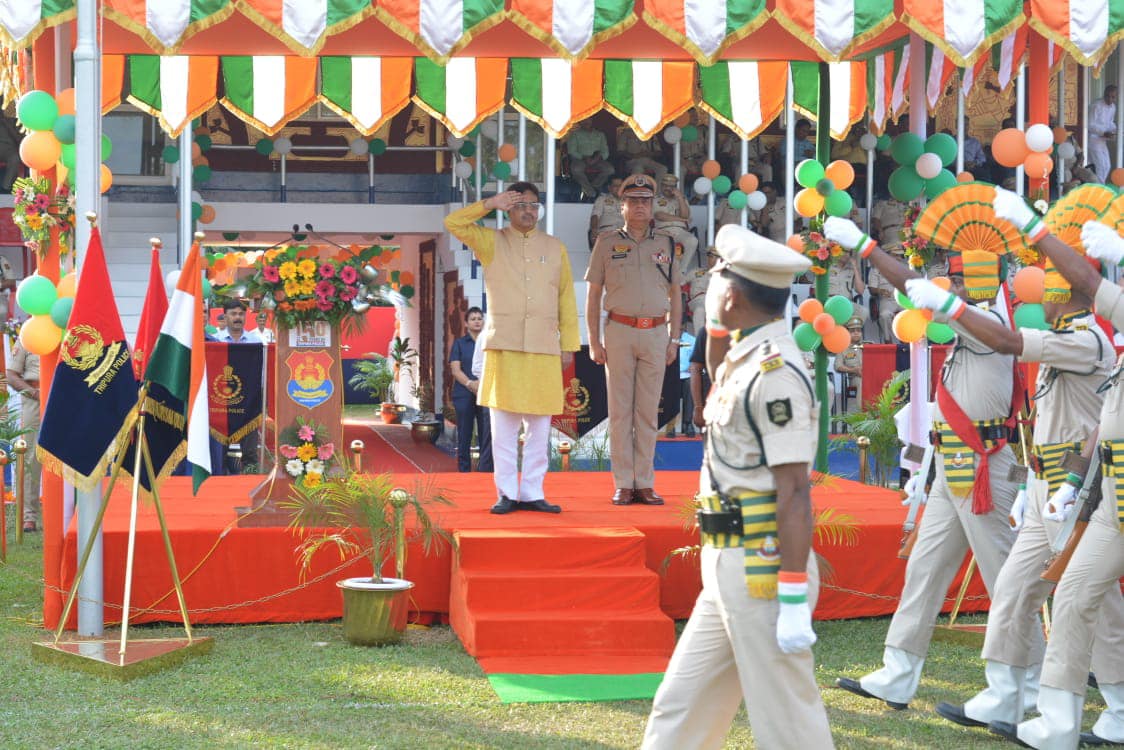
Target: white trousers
[[505, 454], [1099, 156]]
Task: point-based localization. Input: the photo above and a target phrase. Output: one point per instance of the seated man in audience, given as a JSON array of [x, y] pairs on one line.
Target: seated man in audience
[[606, 214], [588, 150], [639, 157], [769, 221], [672, 217]]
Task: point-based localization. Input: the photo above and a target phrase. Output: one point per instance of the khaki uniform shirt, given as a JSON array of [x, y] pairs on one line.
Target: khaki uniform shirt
[[852, 359], [667, 205], [1109, 303], [24, 363], [698, 281], [775, 213], [878, 285], [841, 279], [780, 402], [978, 378], [891, 215], [629, 143], [637, 276], [1074, 363], [724, 215], [607, 210]]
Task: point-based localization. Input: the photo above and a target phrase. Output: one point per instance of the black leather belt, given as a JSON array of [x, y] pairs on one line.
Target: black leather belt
[[725, 522], [987, 432]]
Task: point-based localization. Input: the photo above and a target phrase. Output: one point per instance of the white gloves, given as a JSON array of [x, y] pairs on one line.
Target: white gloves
[[1014, 209], [847, 233], [1102, 242], [1018, 508], [794, 626], [1061, 503], [927, 295], [913, 485]]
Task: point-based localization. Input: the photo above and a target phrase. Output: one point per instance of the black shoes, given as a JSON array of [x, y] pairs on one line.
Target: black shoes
[[853, 686], [1088, 739], [1008, 731], [956, 714], [506, 505]]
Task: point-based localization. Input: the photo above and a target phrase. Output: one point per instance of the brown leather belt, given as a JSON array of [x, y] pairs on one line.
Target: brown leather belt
[[628, 320]]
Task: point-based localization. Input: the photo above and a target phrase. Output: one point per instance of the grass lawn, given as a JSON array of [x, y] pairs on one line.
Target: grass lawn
[[303, 686]]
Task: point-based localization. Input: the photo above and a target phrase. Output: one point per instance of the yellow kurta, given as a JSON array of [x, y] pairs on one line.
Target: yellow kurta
[[519, 381]]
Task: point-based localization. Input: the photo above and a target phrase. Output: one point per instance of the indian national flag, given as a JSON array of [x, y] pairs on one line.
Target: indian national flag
[[847, 83], [164, 24], [745, 96], [835, 27], [555, 93], [366, 91], [177, 363], [886, 78], [461, 93], [439, 27], [24, 20], [269, 91], [963, 29], [648, 94], [1088, 29], [569, 28], [705, 27], [112, 81], [174, 88], [306, 23]]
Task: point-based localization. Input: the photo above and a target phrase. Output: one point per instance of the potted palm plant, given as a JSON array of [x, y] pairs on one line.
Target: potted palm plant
[[875, 421], [373, 374], [367, 514], [402, 358], [425, 427]]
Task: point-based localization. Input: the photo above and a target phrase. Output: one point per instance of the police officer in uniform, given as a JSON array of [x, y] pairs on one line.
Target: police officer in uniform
[[672, 216], [635, 270], [750, 634], [23, 376], [697, 281], [606, 215], [849, 362], [971, 496], [887, 218]]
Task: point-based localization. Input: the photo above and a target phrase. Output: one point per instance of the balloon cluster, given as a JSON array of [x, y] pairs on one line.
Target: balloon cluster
[[505, 161], [49, 307], [922, 165], [50, 141], [1031, 150], [825, 188], [466, 149], [824, 323], [911, 325], [1029, 286], [677, 133]]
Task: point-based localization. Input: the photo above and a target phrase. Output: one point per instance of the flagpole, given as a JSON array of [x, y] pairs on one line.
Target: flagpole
[[131, 549]]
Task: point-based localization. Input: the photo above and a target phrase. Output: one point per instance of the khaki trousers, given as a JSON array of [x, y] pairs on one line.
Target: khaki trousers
[[29, 419], [948, 530], [729, 651], [635, 363], [1089, 590]]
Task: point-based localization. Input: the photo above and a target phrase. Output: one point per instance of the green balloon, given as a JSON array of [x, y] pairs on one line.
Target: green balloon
[[376, 147], [264, 146], [737, 200], [806, 337], [689, 134], [37, 110], [36, 294], [230, 236], [943, 145], [1031, 316], [721, 184], [204, 142], [825, 187], [64, 128], [939, 333], [839, 308], [196, 210], [884, 142], [467, 149], [407, 291], [106, 147], [60, 311], [210, 329], [502, 170], [206, 288], [905, 184], [838, 203], [906, 148], [808, 173], [171, 154], [201, 173], [66, 156], [903, 301], [942, 182]]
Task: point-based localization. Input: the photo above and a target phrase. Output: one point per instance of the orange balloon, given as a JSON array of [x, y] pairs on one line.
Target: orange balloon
[[909, 326], [106, 178], [1060, 135], [39, 335], [942, 282], [711, 169], [1009, 147], [841, 173], [40, 150], [808, 203], [68, 285], [207, 215], [1117, 176], [837, 339], [65, 100], [965, 177], [1038, 166], [748, 183], [200, 160], [810, 308], [506, 152], [1030, 284], [406, 278], [196, 151], [796, 242], [823, 323]]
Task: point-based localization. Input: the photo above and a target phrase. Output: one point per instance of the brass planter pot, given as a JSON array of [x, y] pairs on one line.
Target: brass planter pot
[[374, 614], [392, 413], [425, 432]]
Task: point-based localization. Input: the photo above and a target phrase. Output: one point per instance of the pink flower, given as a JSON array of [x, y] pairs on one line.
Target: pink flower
[[325, 304], [306, 433], [822, 253], [327, 271], [349, 275], [19, 195], [270, 274], [42, 202], [325, 451], [348, 293], [288, 451], [815, 237], [325, 290]]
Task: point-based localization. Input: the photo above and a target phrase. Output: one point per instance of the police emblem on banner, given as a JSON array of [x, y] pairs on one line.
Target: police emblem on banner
[[226, 388], [577, 399], [309, 382]]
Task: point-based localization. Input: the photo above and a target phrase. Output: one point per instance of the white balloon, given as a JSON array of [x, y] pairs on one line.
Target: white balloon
[[196, 197], [283, 145], [673, 134], [928, 165], [868, 141], [172, 279], [462, 169], [454, 142], [359, 147], [755, 201], [1066, 150], [1039, 138], [702, 186], [489, 129]]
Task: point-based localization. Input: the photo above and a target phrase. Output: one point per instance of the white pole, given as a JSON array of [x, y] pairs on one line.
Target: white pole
[[869, 177], [1060, 166], [479, 171], [551, 146], [186, 180], [522, 173], [960, 134], [499, 182], [87, 180], [789, 156], [919, 350], [711, 134], [1085, 120], [1119, 105], [1020, 123]]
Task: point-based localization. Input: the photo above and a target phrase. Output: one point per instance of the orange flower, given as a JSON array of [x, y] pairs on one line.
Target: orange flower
[[818, 271]]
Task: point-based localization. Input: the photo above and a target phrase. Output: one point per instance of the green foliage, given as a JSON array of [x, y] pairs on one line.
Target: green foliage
[[374, 375], [876, 423]]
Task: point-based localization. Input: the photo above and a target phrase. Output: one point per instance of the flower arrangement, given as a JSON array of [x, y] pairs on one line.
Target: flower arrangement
[[918, 251], [306, 287], [818, 249], [37, 211], [307, 451]]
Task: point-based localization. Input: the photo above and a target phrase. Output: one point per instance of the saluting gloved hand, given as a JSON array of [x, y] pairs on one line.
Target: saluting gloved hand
[[928, 295], [911, 488], [1014, 209], [1061, 503], [847, 233], [1018, 509], [794, 618], [1102, 242]]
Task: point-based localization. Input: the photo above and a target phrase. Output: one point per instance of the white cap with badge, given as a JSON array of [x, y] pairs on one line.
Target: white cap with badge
[[757, 258]]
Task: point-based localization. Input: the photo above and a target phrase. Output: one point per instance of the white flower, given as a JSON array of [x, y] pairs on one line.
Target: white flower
[[315, 465], [295, 467], [1041, 206]]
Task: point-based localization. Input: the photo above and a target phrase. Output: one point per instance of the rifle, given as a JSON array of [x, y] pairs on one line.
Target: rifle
[[1088, 498], [909, 528]]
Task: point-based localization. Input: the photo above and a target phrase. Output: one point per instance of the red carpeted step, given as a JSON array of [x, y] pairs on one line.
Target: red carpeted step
[[547, 548], [576, 633], [602, 588]]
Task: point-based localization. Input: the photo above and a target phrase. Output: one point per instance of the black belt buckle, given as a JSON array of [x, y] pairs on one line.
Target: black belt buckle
[[1037, 464], [1106, 455], [725, 522]]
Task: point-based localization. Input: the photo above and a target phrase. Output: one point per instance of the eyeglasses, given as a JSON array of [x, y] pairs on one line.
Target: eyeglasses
[[525, 206]]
